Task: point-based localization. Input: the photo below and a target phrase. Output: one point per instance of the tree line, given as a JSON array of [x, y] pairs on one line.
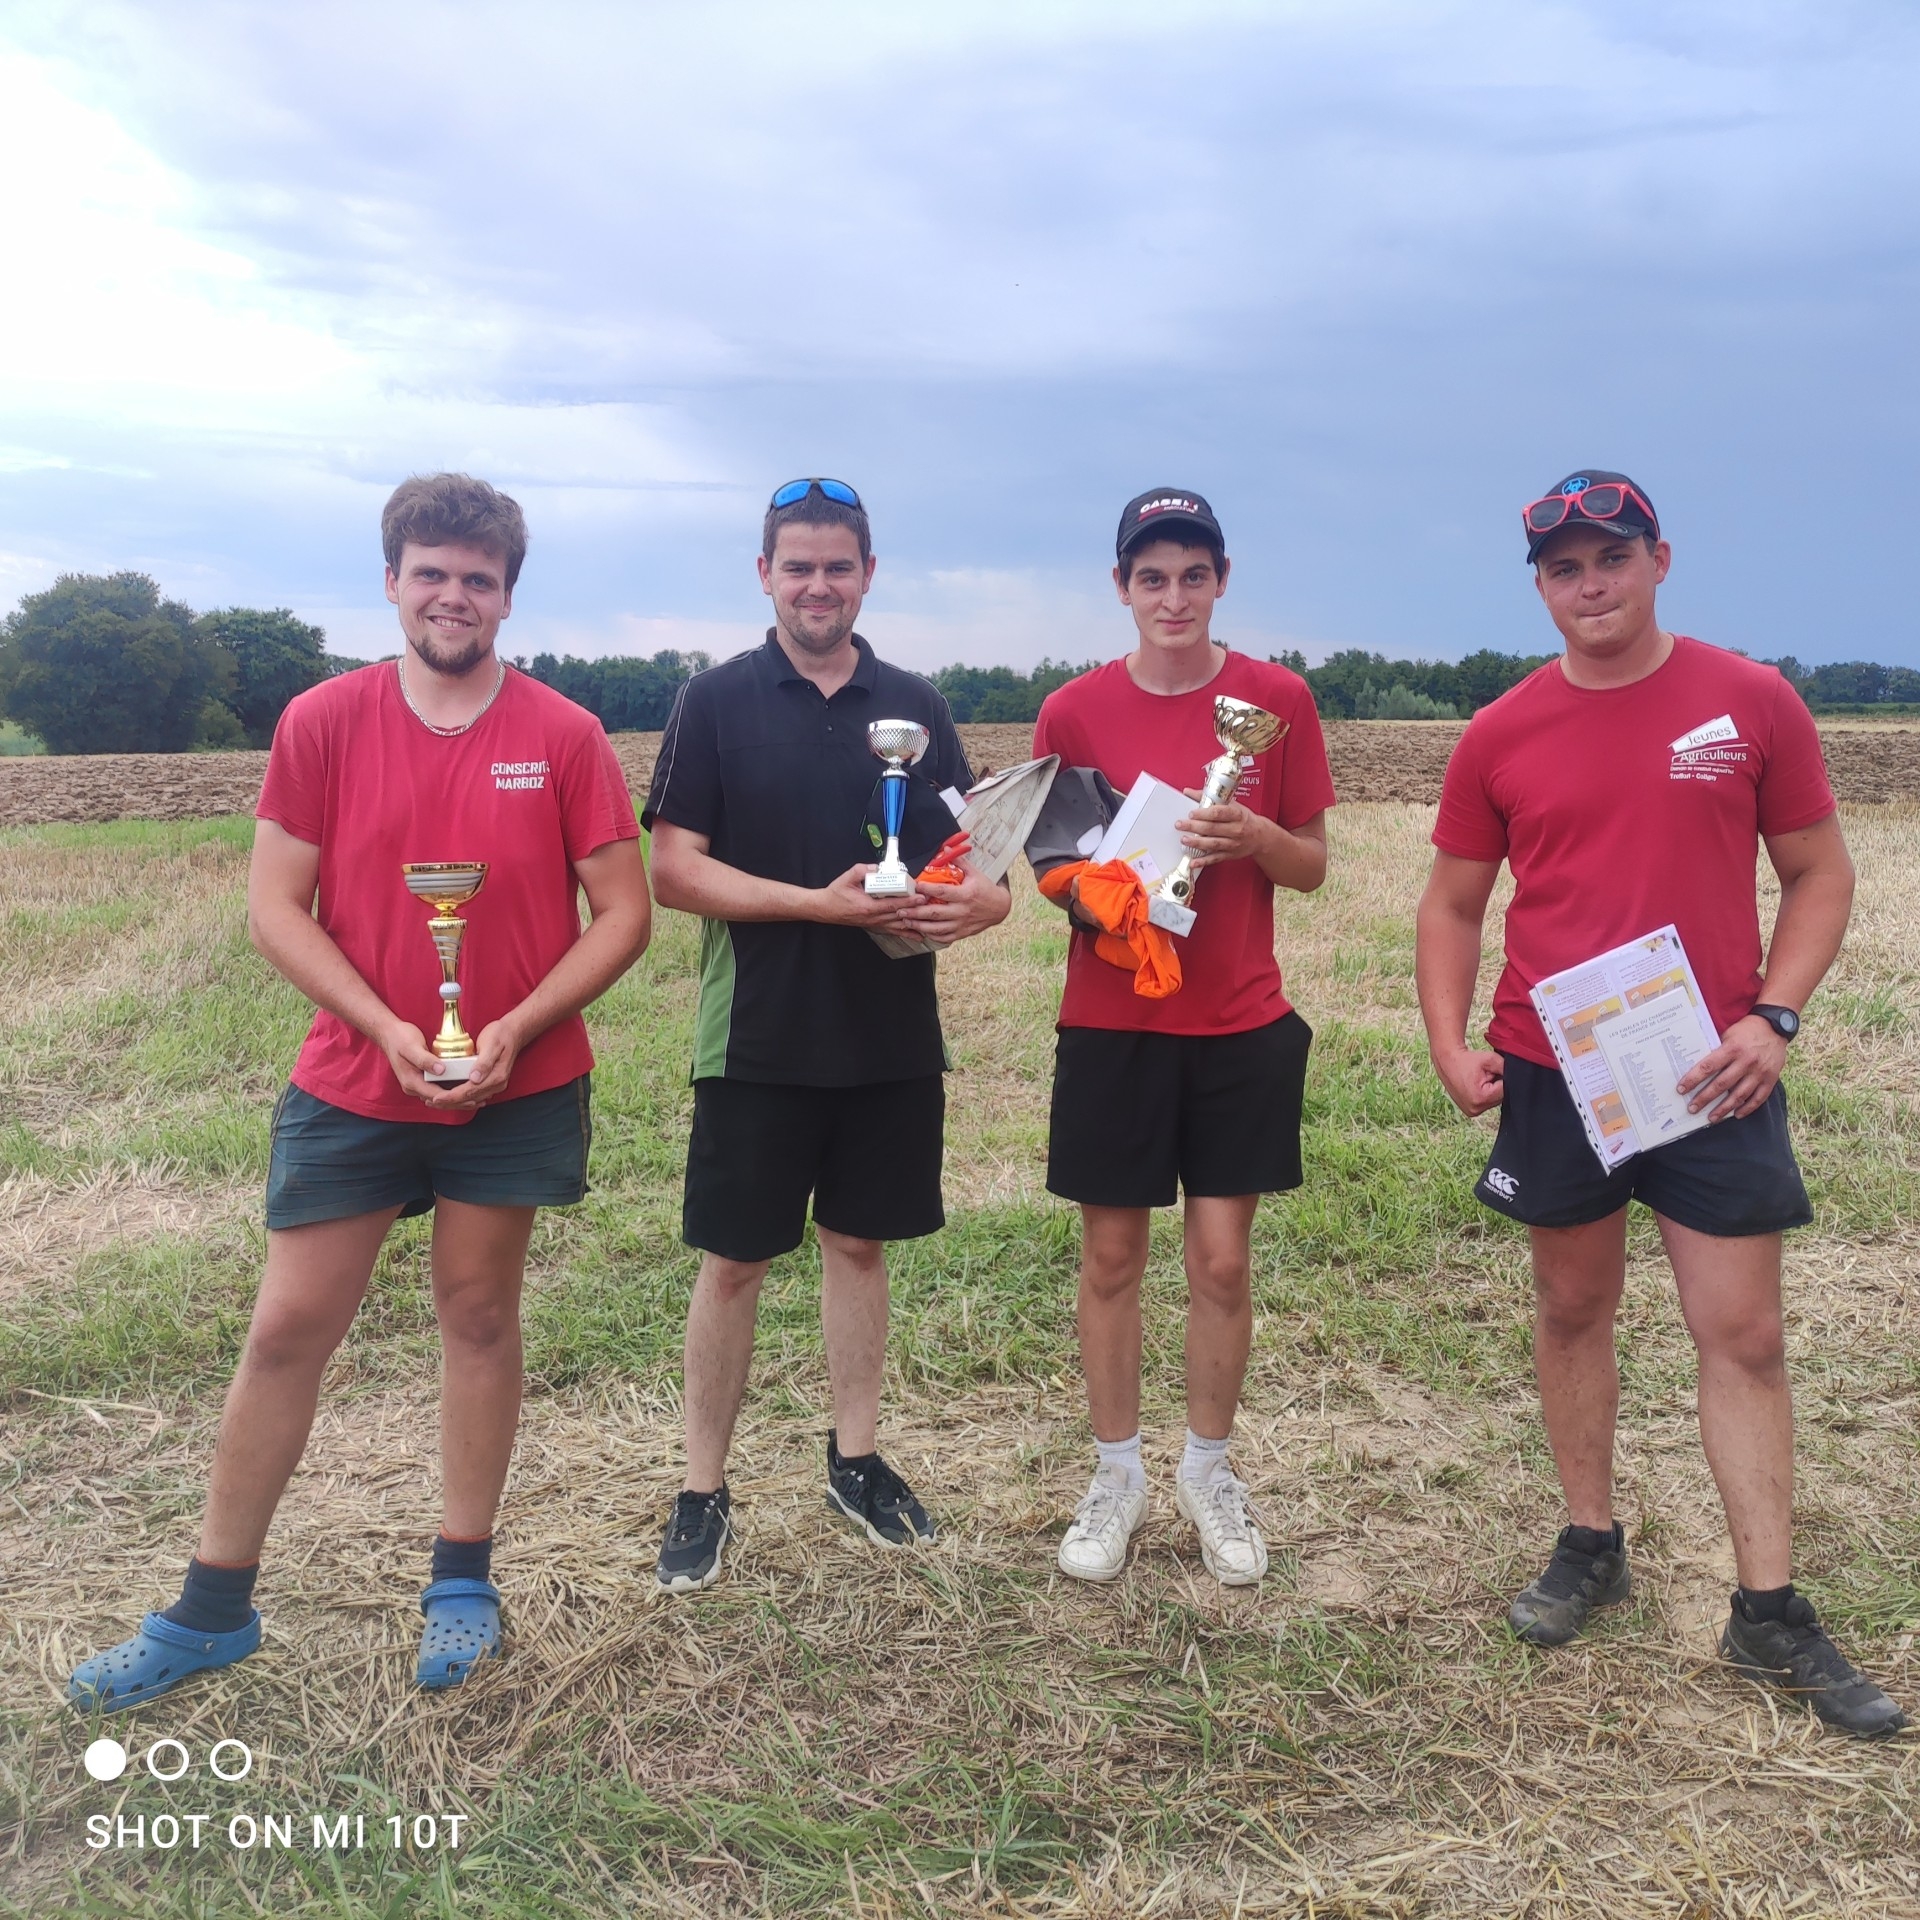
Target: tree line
[[105, 663], [1355, 685]]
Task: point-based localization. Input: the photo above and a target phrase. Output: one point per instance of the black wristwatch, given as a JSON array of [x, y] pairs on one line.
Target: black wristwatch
[[1783, 1020]]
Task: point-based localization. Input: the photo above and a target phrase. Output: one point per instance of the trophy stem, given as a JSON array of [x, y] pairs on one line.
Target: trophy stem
[[1223, 775], [892, 877], [452, 1042]]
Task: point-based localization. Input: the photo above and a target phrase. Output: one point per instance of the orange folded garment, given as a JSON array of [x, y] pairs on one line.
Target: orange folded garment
[[1112, 895]]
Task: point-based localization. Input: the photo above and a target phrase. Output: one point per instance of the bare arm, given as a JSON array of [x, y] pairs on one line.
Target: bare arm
[[1448, 932], [281, 884], [282, 880], [614, 879], [1816, 900], [688, 877]]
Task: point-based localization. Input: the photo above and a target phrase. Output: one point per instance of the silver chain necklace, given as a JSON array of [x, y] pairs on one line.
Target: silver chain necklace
[[447, 733]]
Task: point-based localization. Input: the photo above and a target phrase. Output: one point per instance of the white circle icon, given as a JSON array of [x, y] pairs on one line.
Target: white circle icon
[[105, 1760]]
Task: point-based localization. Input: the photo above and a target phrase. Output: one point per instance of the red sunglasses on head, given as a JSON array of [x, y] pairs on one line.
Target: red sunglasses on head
[[1602, 500]]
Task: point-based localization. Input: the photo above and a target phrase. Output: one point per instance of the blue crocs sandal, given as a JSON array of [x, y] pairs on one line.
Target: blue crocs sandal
[[154, 1662], [463, 1628]]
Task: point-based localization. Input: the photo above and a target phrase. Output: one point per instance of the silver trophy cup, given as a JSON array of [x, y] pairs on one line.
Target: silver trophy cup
[[899, 743]]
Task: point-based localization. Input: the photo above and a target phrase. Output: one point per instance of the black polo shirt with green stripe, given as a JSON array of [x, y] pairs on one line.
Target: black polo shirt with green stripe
[[783, 784]]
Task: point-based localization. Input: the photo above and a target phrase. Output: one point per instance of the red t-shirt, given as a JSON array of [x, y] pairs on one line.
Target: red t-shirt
[[1230, 980], [1624, 809], [531, 789]]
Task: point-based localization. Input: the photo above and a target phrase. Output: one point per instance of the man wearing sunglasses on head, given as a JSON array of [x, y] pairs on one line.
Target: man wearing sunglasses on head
[[817, 1059], [1629, 785]]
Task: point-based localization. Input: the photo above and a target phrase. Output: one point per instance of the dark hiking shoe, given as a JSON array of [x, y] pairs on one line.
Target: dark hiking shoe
[[875, 1499], [690, 1553], [1555, 1608], [1795, 1656]]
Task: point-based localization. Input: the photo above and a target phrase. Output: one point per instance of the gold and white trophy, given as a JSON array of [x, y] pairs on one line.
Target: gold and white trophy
[[444, 885], [1243, 730]]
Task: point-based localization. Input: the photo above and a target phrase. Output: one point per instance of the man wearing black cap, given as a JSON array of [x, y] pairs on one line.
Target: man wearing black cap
[[1628, 785], [1201, 1089]]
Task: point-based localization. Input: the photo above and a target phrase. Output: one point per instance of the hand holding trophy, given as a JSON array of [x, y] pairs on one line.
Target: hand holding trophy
[[1242, 730], [444, 885], [899, 743]]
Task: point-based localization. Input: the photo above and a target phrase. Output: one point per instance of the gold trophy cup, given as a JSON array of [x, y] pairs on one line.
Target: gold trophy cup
[[444, 885], [1242, 730]]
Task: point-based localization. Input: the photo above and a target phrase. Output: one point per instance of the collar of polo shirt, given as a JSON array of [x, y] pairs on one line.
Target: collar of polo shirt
[[863, 676]]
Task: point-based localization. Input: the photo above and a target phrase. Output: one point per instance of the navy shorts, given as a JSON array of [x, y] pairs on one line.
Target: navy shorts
[[1733, 1178], [868, 1157], [1137, 1116], [329, 1164]]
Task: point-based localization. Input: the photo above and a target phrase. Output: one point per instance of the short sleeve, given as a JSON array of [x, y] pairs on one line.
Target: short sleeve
[[1794, 789], [1306, 781], [686, 789], [1469, 825], [294, 793], [1043, 730], [595, 806]]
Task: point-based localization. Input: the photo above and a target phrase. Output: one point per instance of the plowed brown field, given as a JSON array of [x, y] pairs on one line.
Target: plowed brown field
[[1372, 760]]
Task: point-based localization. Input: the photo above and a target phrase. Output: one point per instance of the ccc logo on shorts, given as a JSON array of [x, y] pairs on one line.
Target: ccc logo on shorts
[[1502, 1182]]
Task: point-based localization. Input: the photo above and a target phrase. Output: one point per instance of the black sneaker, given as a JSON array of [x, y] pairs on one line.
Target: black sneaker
[[875, 1498], [690, 1554], [1555, 1608], [1796, 1656]]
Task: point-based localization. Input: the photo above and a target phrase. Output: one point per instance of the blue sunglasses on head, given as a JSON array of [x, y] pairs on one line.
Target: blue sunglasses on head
[[796, 490]]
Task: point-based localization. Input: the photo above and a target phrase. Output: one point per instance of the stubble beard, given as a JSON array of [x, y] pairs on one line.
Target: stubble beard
[[452, 660], [817, 644]]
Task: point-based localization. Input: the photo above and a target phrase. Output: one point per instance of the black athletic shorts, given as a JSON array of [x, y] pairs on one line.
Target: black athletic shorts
[[1733, 1178], [1134, 1114], [869, 1157]]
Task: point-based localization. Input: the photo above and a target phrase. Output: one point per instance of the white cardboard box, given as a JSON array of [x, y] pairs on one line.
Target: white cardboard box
[[1143, 833]]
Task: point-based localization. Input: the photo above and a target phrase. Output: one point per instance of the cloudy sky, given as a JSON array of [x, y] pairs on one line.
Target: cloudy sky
[[1368, 273]]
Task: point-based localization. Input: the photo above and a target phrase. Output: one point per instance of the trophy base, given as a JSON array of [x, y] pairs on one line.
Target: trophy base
[[1170, 914], [894, 884], [450, 1073]]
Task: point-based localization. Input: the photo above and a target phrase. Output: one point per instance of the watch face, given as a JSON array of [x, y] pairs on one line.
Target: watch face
[[1788, 1022]]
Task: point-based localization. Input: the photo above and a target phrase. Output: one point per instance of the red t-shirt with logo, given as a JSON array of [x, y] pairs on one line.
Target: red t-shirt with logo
[[530, 789], [1625, 809], [1230, 980]]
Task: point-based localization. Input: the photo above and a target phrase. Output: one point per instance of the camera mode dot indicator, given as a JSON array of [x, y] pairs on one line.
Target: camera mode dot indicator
[[105, 1760]]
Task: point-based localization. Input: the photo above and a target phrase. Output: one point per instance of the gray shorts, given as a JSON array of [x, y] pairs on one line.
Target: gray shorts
[[329, 1164]]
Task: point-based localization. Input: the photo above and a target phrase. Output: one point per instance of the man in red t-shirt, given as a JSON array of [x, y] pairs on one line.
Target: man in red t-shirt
[[1201, 1089], [1629, 785], [443, 755]]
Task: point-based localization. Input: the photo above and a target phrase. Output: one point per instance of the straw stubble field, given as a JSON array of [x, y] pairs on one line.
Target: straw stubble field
[[958, 1731]]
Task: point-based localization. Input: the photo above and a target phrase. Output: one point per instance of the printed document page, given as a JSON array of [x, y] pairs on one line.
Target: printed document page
[[1624, 1027]]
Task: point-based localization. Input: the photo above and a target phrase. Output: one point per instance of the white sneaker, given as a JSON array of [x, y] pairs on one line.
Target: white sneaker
[[1095, 1546], [1221, 1512]]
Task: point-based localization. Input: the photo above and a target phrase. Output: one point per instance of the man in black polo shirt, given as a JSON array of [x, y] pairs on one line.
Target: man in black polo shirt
[[817, 1060]]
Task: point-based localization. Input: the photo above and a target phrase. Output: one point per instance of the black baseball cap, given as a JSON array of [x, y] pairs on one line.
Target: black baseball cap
[[1167, 513], [1634, 517]]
